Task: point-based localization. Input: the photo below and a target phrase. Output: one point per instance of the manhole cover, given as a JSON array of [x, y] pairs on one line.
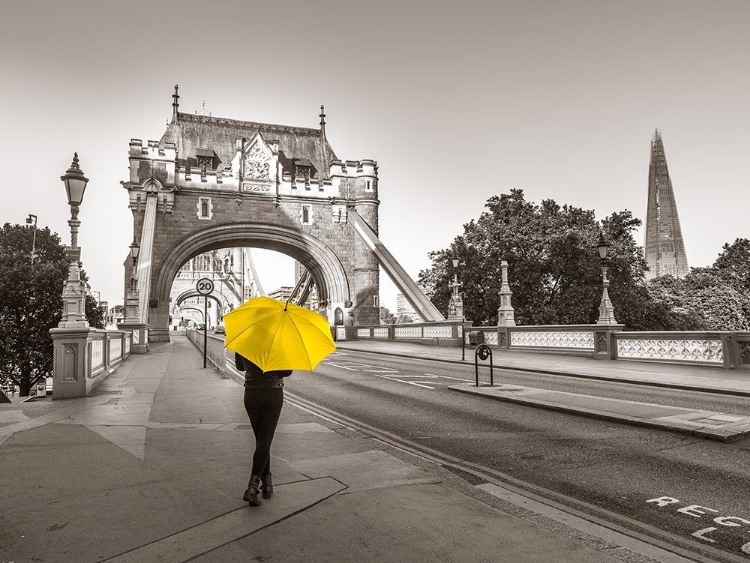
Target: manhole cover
[[244, 427]]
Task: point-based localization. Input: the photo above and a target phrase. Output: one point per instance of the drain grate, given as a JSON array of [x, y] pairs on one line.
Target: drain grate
[[244, 427], [95, 393]]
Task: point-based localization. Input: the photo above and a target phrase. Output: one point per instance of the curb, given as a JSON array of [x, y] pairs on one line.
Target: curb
[[687, 429]]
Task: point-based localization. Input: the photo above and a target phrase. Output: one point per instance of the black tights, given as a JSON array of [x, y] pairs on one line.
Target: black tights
[[263, 406]]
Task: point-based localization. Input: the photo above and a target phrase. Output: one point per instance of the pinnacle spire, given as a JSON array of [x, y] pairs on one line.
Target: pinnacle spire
[[175, 103]]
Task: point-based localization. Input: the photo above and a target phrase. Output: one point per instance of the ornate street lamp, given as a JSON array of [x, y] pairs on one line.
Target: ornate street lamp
[[31, 220], [456, 305], [74, 292], [135, 249], [606, 309]]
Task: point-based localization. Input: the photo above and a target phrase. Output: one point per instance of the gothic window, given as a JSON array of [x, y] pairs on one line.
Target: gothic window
[[375, 301], [368, 185], [306, 215], [205, 209]]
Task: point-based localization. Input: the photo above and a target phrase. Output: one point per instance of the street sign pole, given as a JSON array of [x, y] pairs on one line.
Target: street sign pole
[[205, 287], [205, 328]]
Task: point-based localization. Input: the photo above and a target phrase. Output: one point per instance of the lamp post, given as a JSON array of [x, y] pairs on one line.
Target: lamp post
[[74, 292], [456, 305], [31, 219], [606, 310], [135, 249]]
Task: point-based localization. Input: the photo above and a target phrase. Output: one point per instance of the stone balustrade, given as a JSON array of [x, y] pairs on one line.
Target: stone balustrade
[[214, 346], [728, 349], [84, 357]]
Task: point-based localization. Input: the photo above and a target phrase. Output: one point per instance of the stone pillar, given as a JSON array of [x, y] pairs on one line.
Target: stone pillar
[[71, 364], [366, 271], [505, 313]]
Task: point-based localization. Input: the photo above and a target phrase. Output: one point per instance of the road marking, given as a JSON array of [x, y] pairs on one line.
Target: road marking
[[698, 511], [340, 366], [391, 378], [448, 377]]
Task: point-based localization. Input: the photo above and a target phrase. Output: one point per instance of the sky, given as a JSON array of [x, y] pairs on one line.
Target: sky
[[456, 101]]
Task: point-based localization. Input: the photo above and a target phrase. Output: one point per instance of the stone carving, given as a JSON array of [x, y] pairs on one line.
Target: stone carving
[[257, 164], [97, 354], [553, 339], [744, 352], [380, 333], [408, 332], [437, 332], [115, 350], [363, 333], [490, 337], [693, 350]]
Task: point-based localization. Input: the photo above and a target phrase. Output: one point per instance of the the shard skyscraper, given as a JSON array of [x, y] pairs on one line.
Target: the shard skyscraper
[[665, 249]]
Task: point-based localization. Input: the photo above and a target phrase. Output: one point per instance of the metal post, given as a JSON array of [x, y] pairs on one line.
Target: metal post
[[463, 339], [205, 328]]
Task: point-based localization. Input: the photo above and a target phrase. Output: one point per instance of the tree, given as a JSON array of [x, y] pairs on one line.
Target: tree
[[734, 263], [30, 303], [386, 317], [555, 271]]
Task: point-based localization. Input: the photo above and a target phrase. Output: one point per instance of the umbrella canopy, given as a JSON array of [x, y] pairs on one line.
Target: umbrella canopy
[[276, 336]]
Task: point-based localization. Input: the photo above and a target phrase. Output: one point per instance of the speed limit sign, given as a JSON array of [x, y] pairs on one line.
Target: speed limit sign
[[205, 286]]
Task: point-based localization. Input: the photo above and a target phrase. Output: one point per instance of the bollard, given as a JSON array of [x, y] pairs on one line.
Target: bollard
[[482, 353]]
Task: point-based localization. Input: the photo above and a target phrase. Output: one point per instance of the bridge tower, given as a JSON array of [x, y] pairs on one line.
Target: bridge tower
[[211, 183]]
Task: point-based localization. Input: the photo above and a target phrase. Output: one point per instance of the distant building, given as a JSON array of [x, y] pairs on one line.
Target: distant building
[[665, 249]]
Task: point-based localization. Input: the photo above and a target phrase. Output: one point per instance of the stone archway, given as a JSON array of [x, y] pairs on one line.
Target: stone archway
[[320, 260]]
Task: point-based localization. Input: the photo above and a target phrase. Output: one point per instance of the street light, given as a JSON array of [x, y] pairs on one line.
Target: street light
[[456, 304], [135, 249], [606, 309], [31, 219], [74, 292]]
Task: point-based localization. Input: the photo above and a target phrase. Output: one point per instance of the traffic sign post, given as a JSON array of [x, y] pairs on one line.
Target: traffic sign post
[[205, 287]]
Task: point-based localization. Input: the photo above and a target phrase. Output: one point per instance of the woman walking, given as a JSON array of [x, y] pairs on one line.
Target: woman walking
[[264, 397]]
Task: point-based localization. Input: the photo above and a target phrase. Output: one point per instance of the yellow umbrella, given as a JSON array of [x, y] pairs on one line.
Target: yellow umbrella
[[275, 335]]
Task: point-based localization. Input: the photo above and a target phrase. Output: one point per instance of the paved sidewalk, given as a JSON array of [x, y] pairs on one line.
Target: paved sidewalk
[[706, 424], [152, 467]]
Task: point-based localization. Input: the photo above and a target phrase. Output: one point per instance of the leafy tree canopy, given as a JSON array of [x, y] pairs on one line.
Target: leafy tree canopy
[[554, 267], [30, 303]]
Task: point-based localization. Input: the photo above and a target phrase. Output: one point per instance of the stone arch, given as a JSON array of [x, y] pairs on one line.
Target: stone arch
[[320, 260]]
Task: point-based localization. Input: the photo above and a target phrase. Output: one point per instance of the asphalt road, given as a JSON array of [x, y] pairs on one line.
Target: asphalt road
[[696, 489]]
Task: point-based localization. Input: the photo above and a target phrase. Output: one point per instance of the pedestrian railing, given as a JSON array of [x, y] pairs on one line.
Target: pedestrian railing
[[215, 352], [728, 349]]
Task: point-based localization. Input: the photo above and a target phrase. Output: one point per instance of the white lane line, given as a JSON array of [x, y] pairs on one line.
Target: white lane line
[[403, 381], [339, 366], [448, 377]]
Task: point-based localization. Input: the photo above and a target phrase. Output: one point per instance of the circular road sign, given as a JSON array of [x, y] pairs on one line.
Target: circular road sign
[[205, 286], [483, 351]]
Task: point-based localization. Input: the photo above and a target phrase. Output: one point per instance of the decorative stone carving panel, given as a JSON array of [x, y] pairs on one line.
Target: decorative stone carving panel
[[363, 333], [694, 350], [582, 340], [257, 164], [380, 333], [408, 332], [490, 338], [437, 332], [115, 350], [97, 354]]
